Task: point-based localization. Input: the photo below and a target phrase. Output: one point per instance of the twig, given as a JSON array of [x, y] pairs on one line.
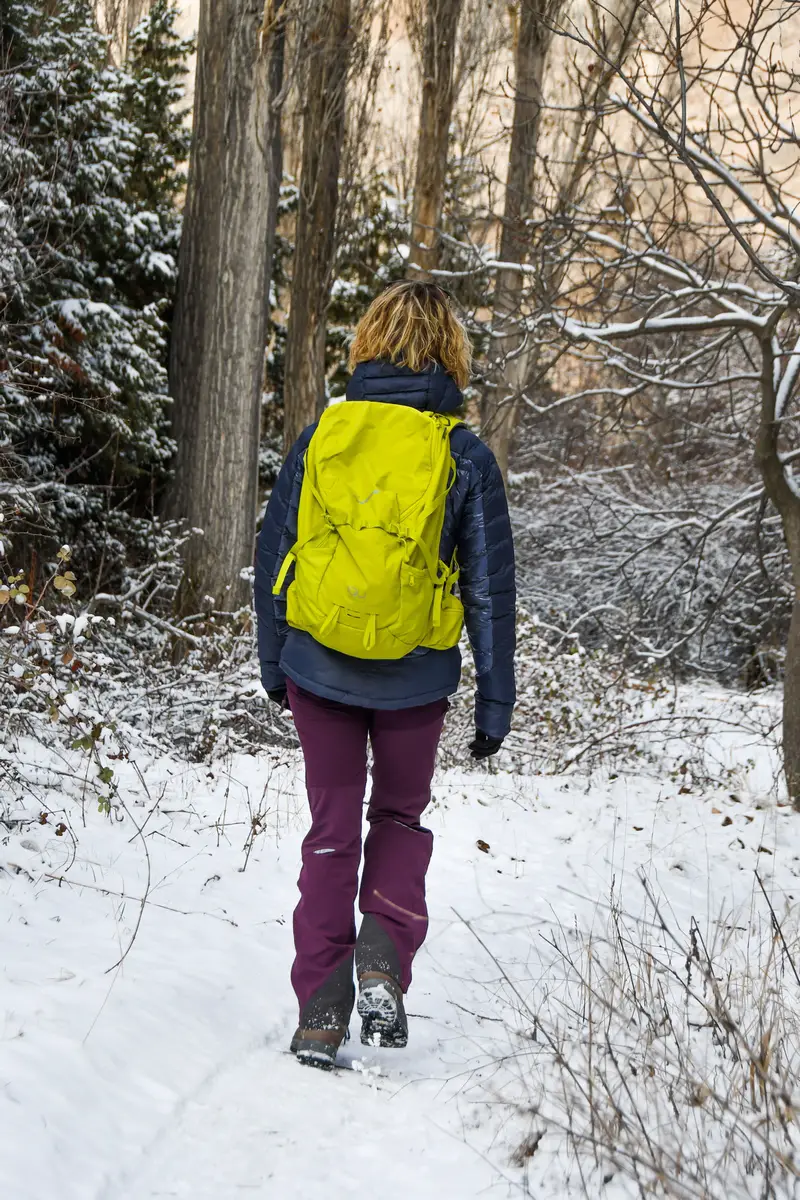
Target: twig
[[96, 887], [778, 928]]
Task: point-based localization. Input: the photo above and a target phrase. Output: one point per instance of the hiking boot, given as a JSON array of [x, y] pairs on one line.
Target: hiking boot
[[325, 1018], [380, 1006], [380, 996], [317, 1047]]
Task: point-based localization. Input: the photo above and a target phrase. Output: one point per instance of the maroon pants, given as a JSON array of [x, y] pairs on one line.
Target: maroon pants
[[397, 849]]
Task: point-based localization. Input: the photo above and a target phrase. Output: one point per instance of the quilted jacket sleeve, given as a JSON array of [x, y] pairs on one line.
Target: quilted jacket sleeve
[[277, 535], [487, 587]]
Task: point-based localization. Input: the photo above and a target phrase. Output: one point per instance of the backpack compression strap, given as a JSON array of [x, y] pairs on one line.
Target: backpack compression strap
[[291, 555]]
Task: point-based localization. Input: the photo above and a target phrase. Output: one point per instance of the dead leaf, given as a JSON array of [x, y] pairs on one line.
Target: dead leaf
[[65, 585], [484, 846], [526, 1149], [727, 820]]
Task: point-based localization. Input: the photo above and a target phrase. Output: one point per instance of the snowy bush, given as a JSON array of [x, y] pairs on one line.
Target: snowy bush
[[567, 696], [646, 566], [49, 658], [584, 709], [95, 672]]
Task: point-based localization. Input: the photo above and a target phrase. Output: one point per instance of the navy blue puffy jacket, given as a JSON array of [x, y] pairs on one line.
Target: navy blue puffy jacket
[[476, 525]]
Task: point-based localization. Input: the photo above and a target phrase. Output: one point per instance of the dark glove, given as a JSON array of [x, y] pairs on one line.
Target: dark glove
[[279, 696], [484, 746]]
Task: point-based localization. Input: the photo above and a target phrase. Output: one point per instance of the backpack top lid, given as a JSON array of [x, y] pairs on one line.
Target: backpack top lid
[[361, 455], [431, 390]]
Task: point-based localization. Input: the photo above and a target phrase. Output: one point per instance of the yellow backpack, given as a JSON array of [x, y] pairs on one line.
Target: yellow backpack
[[368, 579]]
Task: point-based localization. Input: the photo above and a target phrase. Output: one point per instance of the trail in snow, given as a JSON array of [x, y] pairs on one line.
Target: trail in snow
[[169, 1077]]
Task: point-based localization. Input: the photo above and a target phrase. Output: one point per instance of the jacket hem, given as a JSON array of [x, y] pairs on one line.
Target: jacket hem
[[344, 697]]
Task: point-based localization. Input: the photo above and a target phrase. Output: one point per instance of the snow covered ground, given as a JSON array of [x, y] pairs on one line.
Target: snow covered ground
[[166, 1074]]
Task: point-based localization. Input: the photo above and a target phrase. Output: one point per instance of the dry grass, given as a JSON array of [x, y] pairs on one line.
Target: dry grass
[[664, 1061]]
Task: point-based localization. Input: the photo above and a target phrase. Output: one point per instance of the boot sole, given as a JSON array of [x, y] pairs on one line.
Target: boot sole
[[380, 1026], [312, 1053], [322, 1059]]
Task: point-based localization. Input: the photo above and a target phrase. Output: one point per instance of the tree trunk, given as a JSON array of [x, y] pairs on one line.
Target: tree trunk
[[117, 18], [505, 374], [221, 309], [516, 366], [436, 111], [791, 707], [329, 45], [786, 500], [136, 10]]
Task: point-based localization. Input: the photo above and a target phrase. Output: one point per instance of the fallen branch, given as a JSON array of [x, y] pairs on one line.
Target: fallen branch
[[123, 604]]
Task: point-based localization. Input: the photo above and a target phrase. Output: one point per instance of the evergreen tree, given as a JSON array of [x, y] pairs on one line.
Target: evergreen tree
[[156, 67], [89, 168]]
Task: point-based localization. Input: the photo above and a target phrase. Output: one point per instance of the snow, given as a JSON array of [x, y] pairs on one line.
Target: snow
[[156, 262], [75, 310], [145, 1044]]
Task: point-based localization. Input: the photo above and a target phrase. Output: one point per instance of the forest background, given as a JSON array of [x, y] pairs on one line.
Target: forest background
[[607, 191], [195, 209]]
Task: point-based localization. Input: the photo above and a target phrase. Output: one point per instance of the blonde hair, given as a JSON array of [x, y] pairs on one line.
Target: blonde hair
[[413, 323]]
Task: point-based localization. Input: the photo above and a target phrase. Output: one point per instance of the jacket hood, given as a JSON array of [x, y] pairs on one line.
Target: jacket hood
[[431, 390]]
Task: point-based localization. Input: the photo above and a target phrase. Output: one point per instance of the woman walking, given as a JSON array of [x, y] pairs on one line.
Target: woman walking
[[386, 530]]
